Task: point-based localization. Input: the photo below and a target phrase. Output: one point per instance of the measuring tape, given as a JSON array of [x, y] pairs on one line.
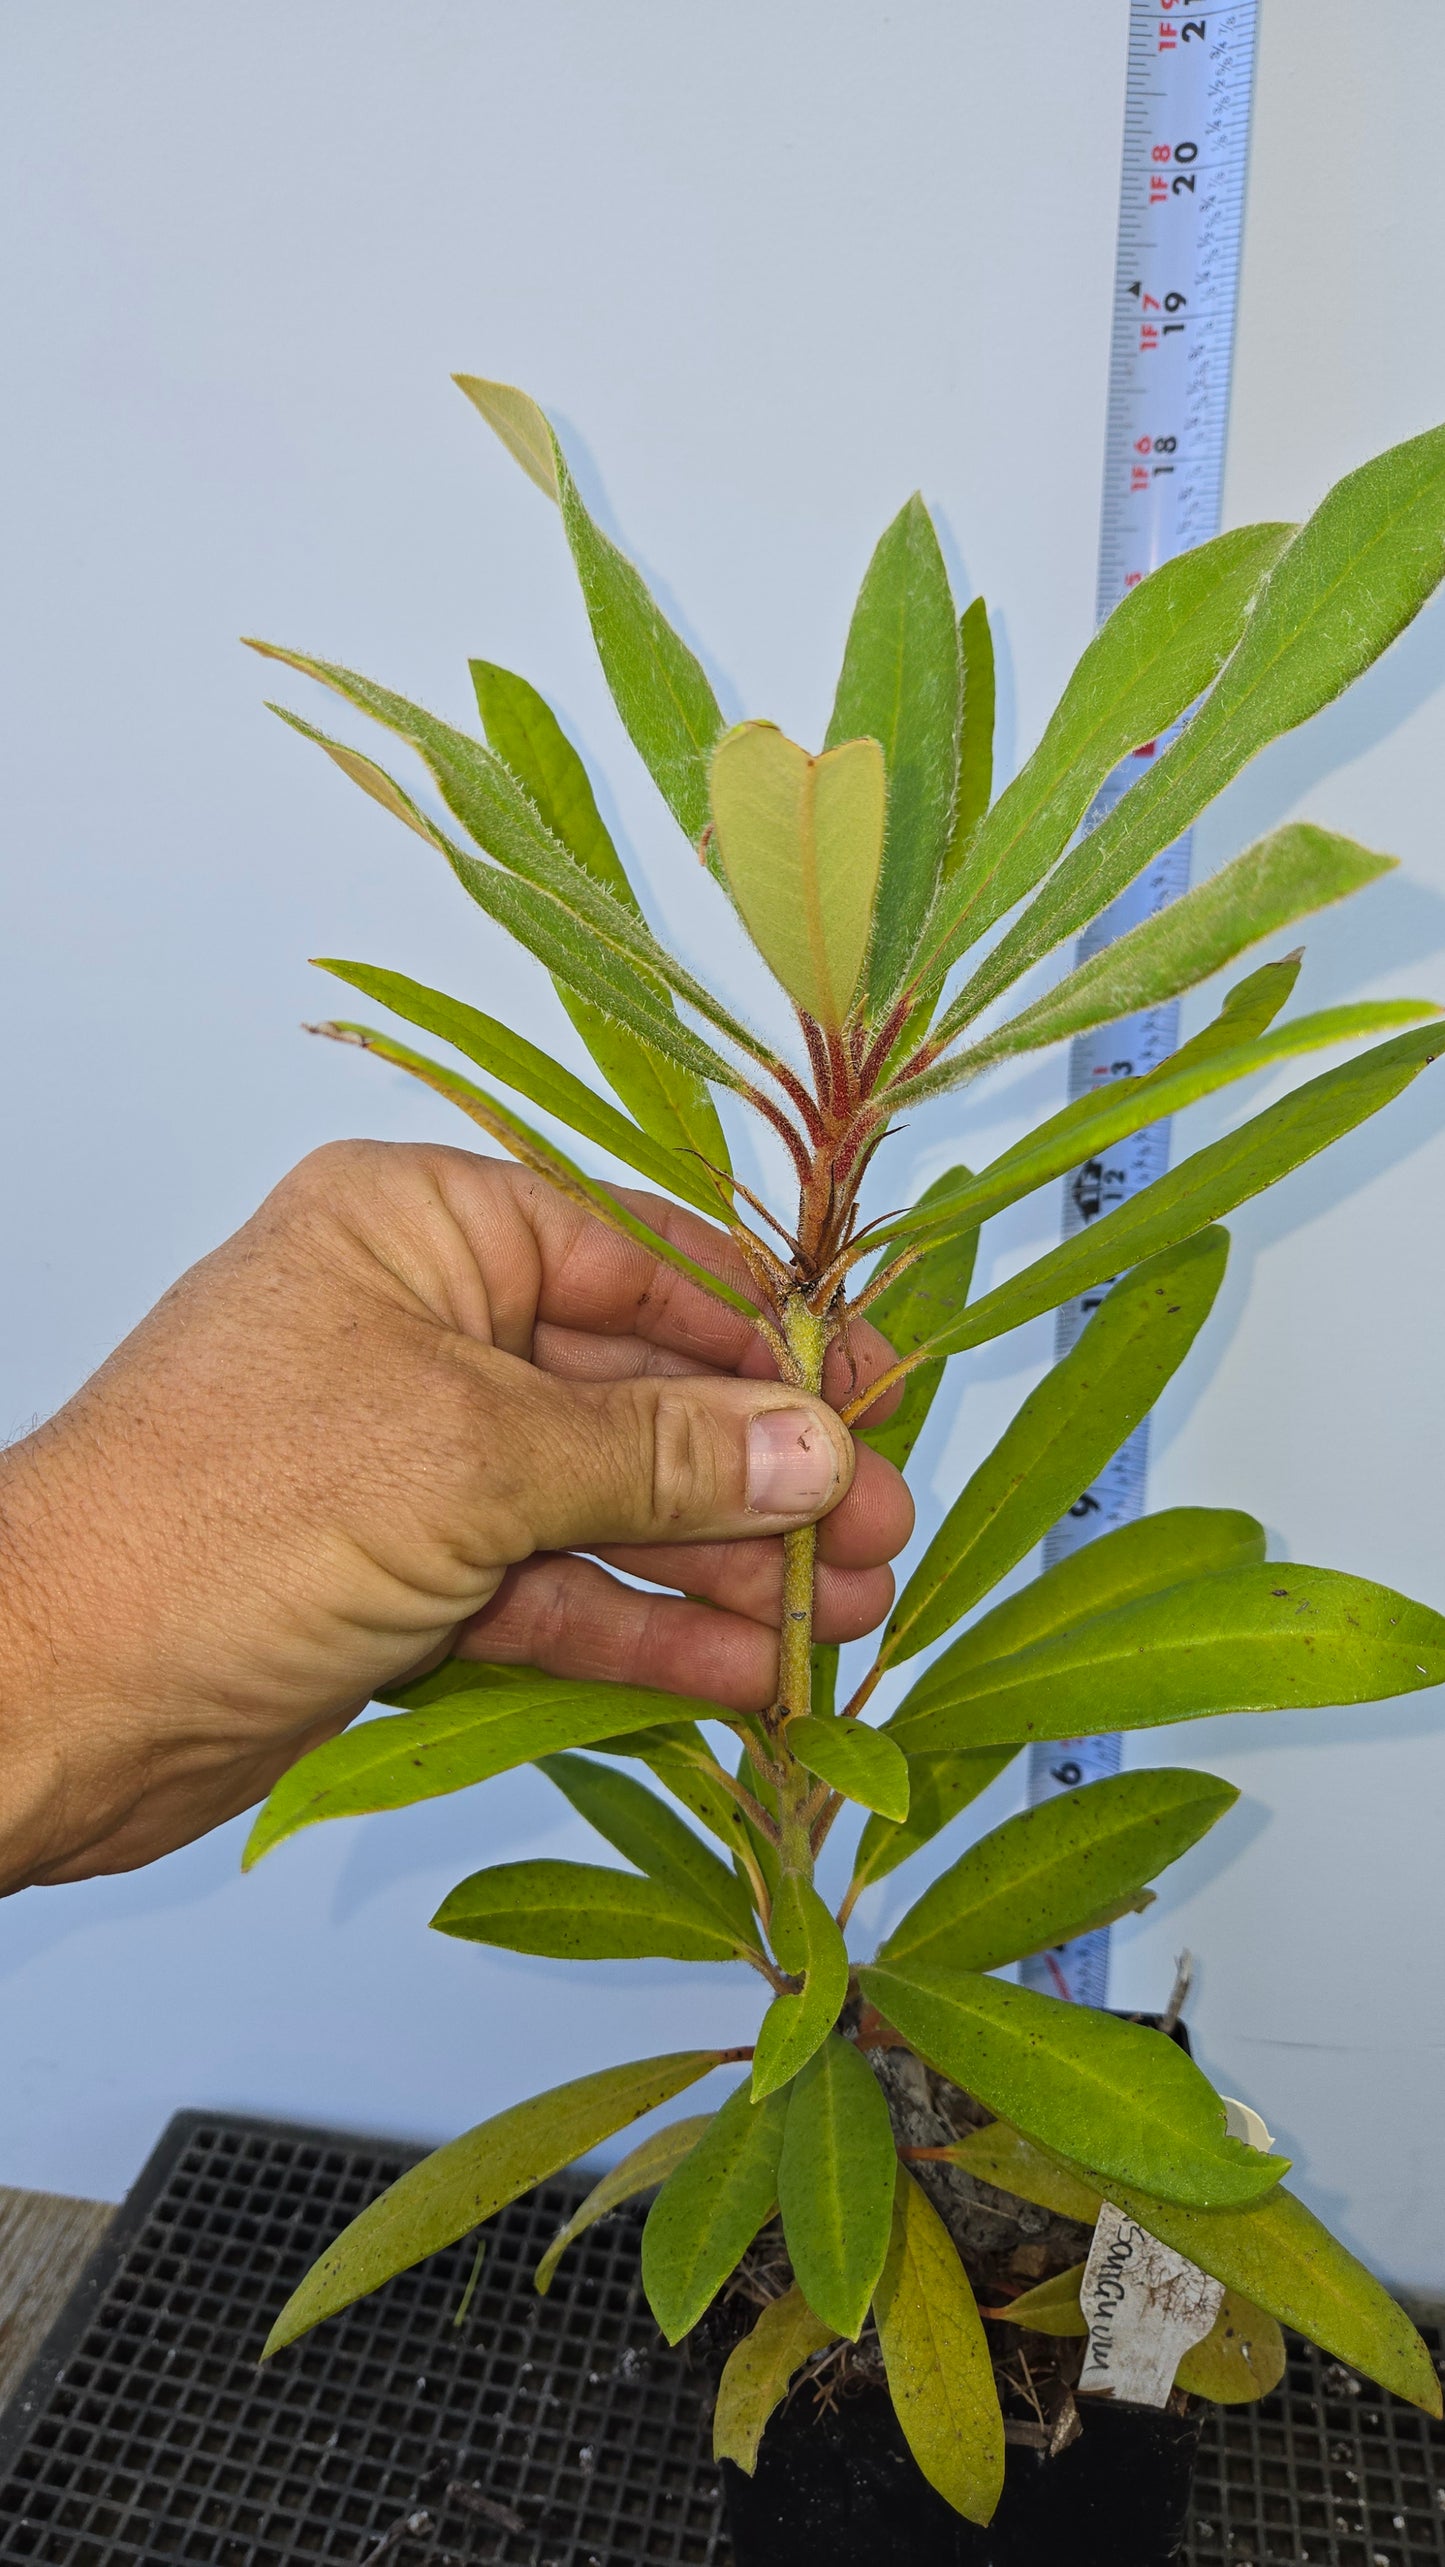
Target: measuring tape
[[1181, 208]]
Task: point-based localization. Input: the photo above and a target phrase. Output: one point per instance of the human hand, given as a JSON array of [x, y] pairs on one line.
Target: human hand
[[378, 1426]]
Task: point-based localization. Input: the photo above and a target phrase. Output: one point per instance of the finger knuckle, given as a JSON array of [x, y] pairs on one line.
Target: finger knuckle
[[687, 1475]]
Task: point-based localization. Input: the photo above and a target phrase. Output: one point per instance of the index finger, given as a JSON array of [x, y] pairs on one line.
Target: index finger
[[596, 1280]]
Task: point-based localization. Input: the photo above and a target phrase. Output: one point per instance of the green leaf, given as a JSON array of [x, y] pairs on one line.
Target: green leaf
[[584, 1912], [1114, 2096], [535, 1075], [859, 1762], [521, 426], [835, 2183], [801, 841], [462, 1724], [652, 1836], [1048, 1873], [563, 904], [1061, 1438], [939, 1787], [459, 2186], [1296, 870], [667, 705], [524, 732], [669, 1102], [823, 1678], [681, 1759], [1133, 1560], [757, 2372], [902, 684], [1241, 2358], [1267, 1638], [1354, 576], [644, 2166], [1275, 2252], [764, 1850], [923, 1299], [1246, 1010], [1094, 1122], [975, 747], [710, 2209], [935, 2352], [1054, 2308], [1002, 2156], [1159, 649], [538, 1154], [1202, 1190], [810, 1947], [545, 925]]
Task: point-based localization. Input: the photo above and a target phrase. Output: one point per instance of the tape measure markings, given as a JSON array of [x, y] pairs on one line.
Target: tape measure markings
[[1181, 207]]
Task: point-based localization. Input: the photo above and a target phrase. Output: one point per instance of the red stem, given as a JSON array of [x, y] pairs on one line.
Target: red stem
[[797, 1149]]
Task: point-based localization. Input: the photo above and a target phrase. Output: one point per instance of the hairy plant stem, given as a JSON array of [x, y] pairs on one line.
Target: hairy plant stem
[[806, 1334]]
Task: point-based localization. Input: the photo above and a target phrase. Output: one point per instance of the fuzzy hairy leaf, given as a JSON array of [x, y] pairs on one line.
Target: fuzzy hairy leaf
[[459, 2186], [1358, 571], [524, 732], [935, 2353], [858, 1761], [533, 1074], [901, 684], [657, 684], [835, 2183], [1051, 1871], [711, 2208], [1275, 2252], [921, 1302], [975, 743], [1161, 647], [810, 1947], [644, 2166], [564, 905], [757, 2372], [616, 987], [541, 1155], [1263, 1638], [1296, 870], [1090, 1126], [585, 1912], [939, 1787], [801, 841], [1061, 1438], [1115, 2096], [460, 1725], [646, 1832], [670, 1103], [1201, 1190]]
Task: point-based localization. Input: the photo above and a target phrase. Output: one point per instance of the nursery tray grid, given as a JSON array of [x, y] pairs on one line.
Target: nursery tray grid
[[549, 2432]]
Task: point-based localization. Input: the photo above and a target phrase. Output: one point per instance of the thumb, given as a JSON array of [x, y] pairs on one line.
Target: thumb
[[670, 1459]]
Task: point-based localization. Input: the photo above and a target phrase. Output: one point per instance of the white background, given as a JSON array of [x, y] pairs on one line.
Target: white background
[[771, 268]]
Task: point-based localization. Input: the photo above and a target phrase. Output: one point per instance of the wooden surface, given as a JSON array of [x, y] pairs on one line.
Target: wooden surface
[[44, 2241]]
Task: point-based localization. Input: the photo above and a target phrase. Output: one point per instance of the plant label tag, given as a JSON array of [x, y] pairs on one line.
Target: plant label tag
[[1144, 2306]]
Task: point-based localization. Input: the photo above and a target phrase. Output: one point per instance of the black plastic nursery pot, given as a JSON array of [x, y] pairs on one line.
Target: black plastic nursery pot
[[839, 2486]]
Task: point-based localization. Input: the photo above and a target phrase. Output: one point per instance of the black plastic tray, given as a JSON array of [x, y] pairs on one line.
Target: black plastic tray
[[551, 2432]]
